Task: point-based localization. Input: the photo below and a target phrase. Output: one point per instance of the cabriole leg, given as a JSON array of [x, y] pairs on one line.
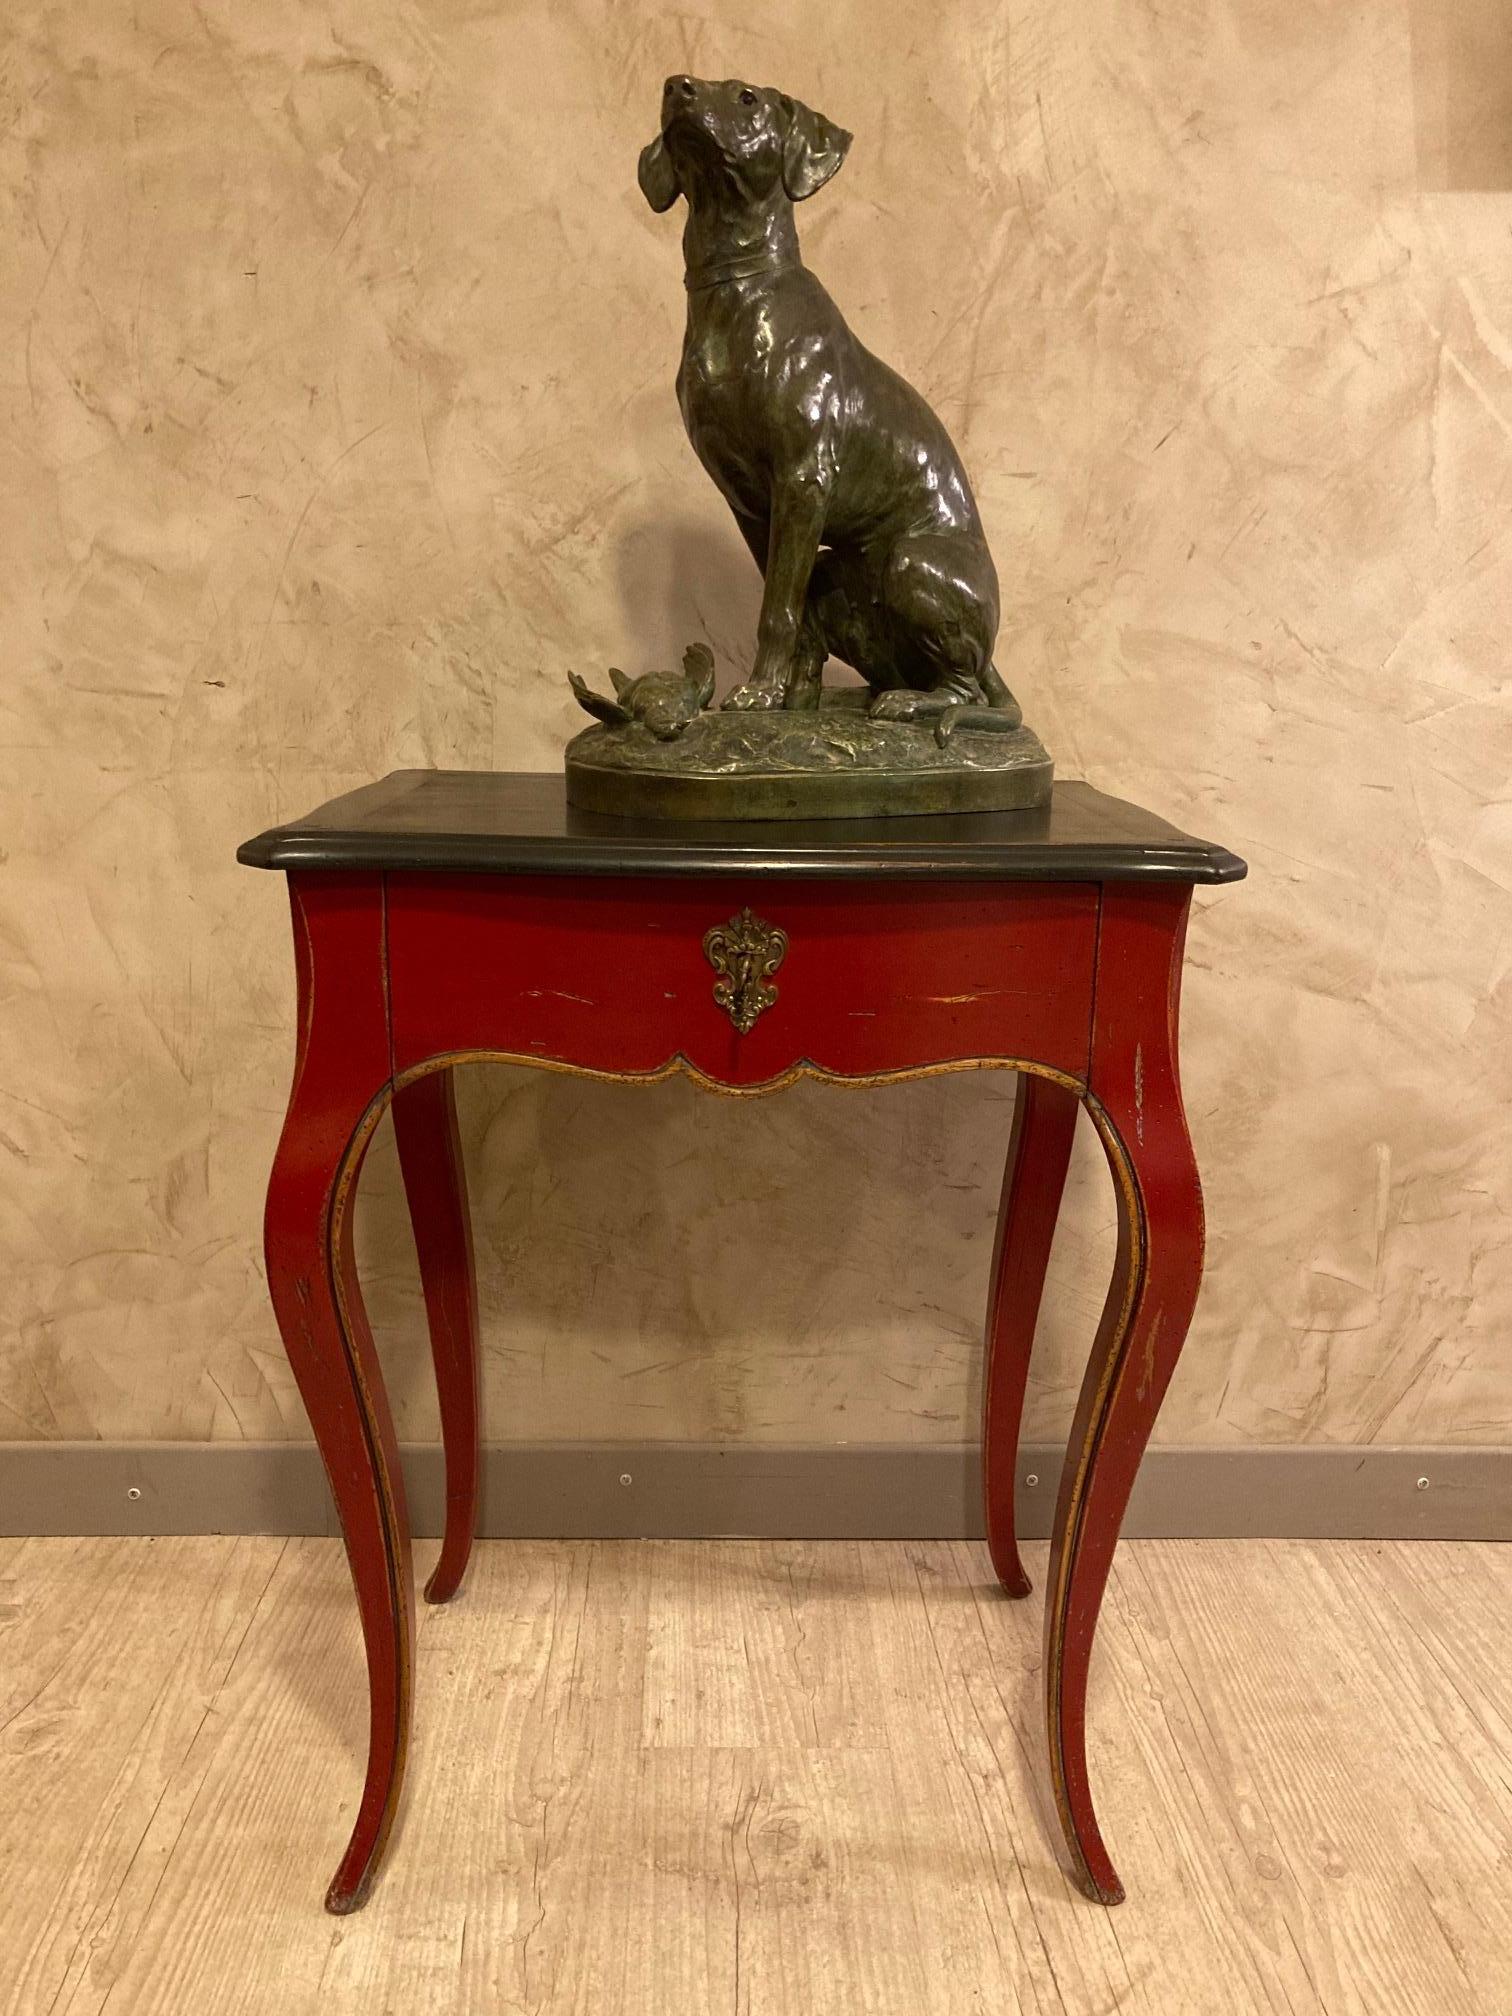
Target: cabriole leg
[[1135, 1100], [430, 1157], [1039, 1151], [340, 1087]]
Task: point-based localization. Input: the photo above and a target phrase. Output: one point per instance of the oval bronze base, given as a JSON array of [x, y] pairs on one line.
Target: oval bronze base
[[833, 762]]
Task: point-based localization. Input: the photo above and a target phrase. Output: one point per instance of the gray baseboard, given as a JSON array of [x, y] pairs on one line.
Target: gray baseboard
[[678, 1489]]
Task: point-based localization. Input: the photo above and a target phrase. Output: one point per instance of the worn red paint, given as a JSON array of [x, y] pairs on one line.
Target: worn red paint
[[1077, 983]]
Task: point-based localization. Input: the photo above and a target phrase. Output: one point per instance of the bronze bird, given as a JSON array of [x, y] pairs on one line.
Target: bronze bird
[[663, 702]]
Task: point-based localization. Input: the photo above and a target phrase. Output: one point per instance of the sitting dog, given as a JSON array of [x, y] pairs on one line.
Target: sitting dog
[[843, 483]]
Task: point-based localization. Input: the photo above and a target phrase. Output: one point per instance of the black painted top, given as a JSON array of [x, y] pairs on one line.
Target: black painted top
[[519, 823]]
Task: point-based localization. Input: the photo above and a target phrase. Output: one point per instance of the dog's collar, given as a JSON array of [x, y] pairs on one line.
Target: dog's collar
[[747, 266]]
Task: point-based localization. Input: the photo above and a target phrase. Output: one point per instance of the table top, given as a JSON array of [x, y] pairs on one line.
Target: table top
[[519, 823]]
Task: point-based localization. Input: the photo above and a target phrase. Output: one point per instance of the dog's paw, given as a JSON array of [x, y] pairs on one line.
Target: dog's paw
[[900, 704], [751, 698]]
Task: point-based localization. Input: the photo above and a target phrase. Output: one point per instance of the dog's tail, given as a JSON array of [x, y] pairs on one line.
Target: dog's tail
[[1001, 716]]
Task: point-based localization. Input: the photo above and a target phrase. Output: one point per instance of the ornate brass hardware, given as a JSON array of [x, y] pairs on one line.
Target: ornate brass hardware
[[745, 953]]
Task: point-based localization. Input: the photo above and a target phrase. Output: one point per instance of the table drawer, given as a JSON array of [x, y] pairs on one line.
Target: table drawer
[[611, 974]]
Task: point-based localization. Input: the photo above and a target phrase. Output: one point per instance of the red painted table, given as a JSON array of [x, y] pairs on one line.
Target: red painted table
[[443, 916]]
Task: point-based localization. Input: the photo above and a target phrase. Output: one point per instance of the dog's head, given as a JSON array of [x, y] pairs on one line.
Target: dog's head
[[754, 135]]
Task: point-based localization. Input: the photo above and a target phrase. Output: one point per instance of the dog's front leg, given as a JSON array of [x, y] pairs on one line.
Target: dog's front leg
[[798, 511]]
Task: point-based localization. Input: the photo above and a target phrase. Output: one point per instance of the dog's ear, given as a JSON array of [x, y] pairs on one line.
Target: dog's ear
[[812, 149], [657, 176]]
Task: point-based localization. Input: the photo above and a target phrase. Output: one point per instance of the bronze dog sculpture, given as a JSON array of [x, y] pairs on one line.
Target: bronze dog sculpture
[[844, 484]]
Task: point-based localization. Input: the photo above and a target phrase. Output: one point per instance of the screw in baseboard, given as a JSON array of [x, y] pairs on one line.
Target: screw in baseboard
[[1422, 1483], [1031, 1480], [625, 1477], [133, 1492]]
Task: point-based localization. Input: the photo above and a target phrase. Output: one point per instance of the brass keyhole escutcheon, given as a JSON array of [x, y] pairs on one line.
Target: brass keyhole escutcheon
[[745, 953]]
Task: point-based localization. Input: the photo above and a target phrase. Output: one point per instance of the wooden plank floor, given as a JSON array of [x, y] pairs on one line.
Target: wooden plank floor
[[779, 1779]]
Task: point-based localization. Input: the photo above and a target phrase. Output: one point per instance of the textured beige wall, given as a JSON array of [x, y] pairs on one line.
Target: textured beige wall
[[336, 422]]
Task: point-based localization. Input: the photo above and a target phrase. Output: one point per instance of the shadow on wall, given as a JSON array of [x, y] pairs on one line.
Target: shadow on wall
[[688, 578], [641, 1250], [693, 578], [1462, 94]]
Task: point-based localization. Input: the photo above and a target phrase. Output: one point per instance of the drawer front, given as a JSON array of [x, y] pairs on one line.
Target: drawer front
[[614, 975]]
